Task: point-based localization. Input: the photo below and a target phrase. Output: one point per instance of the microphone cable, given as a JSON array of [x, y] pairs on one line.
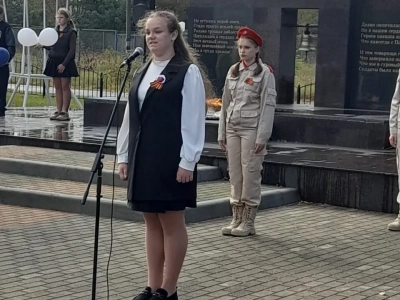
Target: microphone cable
[[113, 190]]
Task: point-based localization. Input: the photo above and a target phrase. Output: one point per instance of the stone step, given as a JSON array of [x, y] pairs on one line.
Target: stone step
[[66, 195], [70, 165]]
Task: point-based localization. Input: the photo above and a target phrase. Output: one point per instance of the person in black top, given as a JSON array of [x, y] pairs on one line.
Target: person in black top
[[61, 63], [159, 144], [7, 41]]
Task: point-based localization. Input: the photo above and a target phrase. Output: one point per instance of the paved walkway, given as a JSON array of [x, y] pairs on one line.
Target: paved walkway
[[301, 252]]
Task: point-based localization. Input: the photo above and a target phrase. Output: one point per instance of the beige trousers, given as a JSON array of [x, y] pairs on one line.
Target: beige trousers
[[244, 165]]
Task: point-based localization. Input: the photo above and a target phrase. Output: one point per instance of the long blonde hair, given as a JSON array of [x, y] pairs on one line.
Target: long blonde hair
[[181, 47], [65, 12]]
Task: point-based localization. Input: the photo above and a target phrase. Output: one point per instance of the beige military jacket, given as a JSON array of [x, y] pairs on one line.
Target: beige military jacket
[[394, 109], [249, 102]]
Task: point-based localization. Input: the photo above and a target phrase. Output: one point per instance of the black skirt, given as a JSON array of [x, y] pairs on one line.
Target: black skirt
[[51, 68], [163, 193], [161, 206]]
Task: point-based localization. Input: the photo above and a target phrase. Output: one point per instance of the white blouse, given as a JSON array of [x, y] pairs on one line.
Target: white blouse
[[192, 118]]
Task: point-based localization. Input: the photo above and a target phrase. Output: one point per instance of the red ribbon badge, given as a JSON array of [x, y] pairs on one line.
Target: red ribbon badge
[[158, 83]]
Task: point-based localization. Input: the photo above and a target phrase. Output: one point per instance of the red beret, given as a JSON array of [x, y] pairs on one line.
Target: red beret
[[251, 34]]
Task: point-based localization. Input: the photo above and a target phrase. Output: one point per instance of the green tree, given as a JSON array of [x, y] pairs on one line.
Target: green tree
[[15, 9], [309, 16], [99, 14], [96, 14], [92, 14]]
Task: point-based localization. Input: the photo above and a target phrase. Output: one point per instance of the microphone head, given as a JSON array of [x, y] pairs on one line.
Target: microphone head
[[139, 50]]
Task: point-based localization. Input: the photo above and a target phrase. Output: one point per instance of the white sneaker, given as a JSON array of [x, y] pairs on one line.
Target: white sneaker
[[395, 225]]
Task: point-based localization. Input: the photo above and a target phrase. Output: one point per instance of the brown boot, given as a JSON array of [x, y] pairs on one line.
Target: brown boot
[[247, 226], [395, 225], [237, 212]]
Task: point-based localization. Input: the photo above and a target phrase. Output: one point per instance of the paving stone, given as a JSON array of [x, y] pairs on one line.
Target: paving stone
[[50, 253]]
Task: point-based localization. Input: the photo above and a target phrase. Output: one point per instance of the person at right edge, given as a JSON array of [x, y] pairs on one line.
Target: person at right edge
[[245, 126], [7, 41], [393, 138]]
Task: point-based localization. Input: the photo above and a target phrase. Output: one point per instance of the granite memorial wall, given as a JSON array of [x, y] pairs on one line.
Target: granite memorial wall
[[213, 36], [374, 53], [358, 55]]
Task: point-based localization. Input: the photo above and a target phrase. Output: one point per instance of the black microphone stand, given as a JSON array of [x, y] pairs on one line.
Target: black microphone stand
[[98, 168]]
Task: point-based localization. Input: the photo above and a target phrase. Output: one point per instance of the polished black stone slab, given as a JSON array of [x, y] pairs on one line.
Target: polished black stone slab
[[323, 126], [32, 127], [324, 157], [354, 128], [97, 111], [365, 129], [349, 177], [355, 131], [354, 178]]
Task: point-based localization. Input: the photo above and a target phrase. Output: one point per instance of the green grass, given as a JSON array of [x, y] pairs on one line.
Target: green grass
[[38, 101], [304, 75]]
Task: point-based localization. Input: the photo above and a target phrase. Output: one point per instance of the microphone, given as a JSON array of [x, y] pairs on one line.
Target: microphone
[[138, 51]]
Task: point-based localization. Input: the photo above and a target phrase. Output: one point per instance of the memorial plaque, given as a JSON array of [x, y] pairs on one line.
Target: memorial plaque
[[212, 33], [374, 54], [212, 27]]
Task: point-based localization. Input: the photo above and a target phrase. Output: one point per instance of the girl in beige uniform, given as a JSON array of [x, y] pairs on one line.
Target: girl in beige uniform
[[245, 126]]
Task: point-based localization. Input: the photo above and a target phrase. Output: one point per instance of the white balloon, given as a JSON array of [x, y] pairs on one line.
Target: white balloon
[[48, 37], [27, 37], [183, 26]]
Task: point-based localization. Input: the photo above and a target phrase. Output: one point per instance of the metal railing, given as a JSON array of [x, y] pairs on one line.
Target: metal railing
[[305, 93], [89, 83]]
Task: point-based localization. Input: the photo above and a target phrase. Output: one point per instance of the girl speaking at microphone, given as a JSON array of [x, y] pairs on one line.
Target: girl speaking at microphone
[[159, 145]]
